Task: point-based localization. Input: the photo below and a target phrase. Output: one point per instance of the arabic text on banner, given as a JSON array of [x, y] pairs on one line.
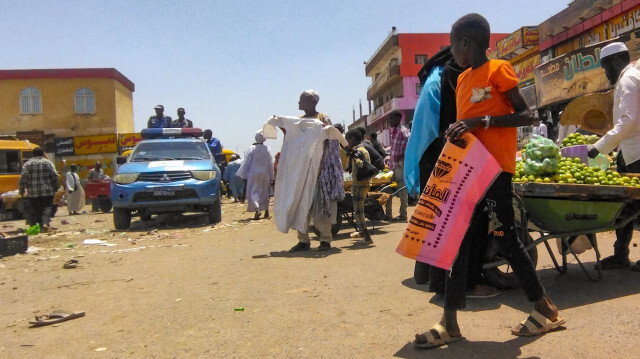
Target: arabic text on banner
[[95, 144], [461, 178]]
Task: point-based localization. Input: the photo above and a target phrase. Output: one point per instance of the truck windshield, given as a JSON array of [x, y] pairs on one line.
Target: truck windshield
[[10, 162], [170, 150]]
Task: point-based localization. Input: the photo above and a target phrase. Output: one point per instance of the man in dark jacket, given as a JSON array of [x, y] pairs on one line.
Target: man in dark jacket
[[373, 141], [377, 159]]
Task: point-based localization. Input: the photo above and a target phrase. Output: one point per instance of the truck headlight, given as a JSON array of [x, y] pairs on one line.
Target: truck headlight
[[125, 178], [204, 175]]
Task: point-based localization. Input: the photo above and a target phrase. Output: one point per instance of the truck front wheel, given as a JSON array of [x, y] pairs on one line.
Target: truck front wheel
[[215, 210], [121, 218], [105, 205]]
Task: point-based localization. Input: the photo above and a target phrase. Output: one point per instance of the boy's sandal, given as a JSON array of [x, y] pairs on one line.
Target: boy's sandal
[[537, 324], [436, 336]]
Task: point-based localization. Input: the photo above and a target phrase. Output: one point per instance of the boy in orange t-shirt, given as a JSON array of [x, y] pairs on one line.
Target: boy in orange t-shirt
[[491, 107]]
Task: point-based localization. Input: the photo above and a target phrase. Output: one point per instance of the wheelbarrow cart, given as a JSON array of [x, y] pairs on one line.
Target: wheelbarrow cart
[[566, 211]]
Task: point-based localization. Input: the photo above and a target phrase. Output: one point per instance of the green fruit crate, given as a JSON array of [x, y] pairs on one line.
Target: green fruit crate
[[13, 245]]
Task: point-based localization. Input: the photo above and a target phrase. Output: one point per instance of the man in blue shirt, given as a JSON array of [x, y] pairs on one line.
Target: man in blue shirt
[[216, 147], [159, 120]]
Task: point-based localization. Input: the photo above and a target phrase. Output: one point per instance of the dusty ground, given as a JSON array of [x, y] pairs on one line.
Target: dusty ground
[[177, 293]]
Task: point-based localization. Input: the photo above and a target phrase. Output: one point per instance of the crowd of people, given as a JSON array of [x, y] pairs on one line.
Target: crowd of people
[[307, 178]]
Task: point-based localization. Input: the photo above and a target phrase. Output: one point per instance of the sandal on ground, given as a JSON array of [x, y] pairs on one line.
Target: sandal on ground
[[437, 336], [614, 262], [537, 324], [70, 264], [481, 291], [364, 241], [54, 317]]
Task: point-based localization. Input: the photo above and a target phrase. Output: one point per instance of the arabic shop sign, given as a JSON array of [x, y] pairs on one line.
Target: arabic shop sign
[[127, 141], [521, 39], [64, 146], [612, 28], [524, 70], [95, 144], [571, 75]]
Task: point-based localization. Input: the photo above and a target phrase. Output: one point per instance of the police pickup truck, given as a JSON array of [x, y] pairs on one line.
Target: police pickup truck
[[171, 170]]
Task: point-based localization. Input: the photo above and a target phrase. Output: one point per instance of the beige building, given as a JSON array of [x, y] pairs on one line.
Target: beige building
[[75, 114]]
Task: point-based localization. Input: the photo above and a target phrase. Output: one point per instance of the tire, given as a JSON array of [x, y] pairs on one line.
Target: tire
[[502, 277], [145, 217], [121, 218], [215, 210], [105, 205]]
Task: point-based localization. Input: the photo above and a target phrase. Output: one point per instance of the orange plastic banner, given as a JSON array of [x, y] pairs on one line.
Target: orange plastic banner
[[462, 175]]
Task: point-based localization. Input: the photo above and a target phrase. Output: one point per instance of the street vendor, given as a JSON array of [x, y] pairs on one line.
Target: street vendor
[[614, 59], [96, 173]]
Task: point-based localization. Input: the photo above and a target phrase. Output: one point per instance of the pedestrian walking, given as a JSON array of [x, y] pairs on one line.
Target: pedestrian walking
[[39, 182], [491, 107], [257, 170], [399, 138], [75, 192], [234, 183], [358, 155]]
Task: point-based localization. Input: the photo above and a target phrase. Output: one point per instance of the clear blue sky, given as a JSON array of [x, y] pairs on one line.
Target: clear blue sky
[[232, 64]]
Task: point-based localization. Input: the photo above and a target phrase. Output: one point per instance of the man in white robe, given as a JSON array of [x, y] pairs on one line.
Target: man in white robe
[[298, 169], [257, 169], [75, 192]]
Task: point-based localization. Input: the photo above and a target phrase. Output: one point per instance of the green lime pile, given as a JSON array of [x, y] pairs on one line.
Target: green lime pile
[[572, 170], [575, 139], [542, 157]]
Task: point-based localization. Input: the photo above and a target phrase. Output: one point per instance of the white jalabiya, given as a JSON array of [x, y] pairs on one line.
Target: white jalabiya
[[75, 192], [257, 169], [298, 168]]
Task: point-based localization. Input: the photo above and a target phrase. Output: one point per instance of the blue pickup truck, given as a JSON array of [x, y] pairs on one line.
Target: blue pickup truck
[[171, 170]]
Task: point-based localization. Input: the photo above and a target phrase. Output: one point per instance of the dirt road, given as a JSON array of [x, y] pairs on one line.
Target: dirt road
[[232, 291]]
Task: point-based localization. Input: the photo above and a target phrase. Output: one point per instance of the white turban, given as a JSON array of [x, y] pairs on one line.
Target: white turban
[[613, 48], [313, 94], [260, 137]]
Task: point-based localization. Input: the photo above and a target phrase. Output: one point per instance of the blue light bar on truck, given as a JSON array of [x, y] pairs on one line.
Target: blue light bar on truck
[[149, 133]]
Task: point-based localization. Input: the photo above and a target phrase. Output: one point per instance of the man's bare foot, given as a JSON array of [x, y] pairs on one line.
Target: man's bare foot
[[547, 308]]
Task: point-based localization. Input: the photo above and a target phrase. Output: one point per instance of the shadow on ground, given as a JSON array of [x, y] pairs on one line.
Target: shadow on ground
[[569, 290], [467, 349]]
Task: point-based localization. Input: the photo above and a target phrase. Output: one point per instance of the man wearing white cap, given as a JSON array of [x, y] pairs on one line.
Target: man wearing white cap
[[614, 59], [159, 120]]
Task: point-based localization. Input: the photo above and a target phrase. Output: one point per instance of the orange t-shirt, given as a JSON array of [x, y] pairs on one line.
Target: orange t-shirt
[[481, 92]]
